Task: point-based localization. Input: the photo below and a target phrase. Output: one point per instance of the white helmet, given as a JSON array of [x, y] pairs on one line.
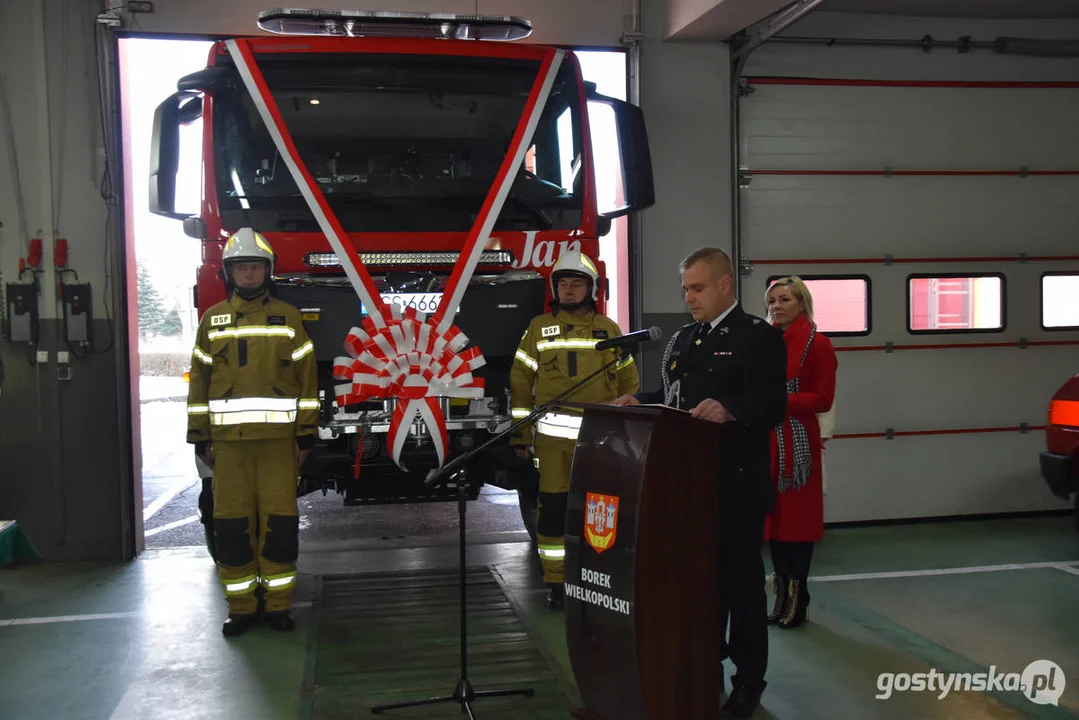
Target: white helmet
[[247, 244], [575, 262]]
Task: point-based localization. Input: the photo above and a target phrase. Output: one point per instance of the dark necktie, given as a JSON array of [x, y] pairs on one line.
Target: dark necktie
[[702, 331]]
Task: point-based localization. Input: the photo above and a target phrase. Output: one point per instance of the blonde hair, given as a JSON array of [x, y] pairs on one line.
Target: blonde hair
[[798, 289]]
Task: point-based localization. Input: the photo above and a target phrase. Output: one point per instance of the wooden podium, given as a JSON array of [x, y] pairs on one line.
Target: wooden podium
[[641, 568]]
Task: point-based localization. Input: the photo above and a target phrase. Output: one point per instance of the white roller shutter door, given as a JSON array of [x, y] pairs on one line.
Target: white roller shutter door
[[885, 179]]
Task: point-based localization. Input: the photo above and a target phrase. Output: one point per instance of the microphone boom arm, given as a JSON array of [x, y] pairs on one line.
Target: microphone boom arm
[[453, 467]]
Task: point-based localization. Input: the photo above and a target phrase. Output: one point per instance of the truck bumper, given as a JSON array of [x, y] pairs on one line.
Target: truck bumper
[[1055, 470]]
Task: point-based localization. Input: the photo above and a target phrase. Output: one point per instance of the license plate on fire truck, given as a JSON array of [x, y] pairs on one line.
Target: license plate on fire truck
[[421, 302]]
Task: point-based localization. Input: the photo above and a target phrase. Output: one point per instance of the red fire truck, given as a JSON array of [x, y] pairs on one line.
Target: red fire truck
[[403, 122], [1060, 461]]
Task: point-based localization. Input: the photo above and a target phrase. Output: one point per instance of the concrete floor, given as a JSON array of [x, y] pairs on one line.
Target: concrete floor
[[142, 639]]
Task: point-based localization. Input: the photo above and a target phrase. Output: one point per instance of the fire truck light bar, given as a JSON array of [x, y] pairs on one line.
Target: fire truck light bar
[[489, 257], [360, 23]]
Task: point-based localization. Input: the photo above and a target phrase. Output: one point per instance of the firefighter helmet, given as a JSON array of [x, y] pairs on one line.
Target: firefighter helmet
[[577, 264], [247, 244]]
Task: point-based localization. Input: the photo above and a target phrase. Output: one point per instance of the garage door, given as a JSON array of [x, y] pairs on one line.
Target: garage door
[[938, 220]]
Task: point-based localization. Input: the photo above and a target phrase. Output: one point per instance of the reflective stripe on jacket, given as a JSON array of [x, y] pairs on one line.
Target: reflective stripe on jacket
[[556, 352], [253, 373]]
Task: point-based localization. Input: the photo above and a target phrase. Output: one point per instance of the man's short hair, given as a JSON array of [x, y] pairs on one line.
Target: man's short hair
[[717, 258]]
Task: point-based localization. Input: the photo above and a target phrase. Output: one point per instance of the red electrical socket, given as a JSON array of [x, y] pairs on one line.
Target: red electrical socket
[[59, 253], [34, 258]]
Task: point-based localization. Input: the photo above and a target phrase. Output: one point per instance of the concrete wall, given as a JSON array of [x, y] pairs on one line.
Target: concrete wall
[[63, 449]]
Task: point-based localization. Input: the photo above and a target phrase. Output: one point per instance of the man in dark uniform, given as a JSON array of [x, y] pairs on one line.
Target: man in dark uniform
[[730, 367]]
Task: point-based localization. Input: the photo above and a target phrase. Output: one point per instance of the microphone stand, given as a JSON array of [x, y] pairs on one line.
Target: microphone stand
[[464, 694]]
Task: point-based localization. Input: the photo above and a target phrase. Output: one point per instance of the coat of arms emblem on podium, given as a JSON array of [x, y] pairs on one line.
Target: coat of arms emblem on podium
[[601, 520]]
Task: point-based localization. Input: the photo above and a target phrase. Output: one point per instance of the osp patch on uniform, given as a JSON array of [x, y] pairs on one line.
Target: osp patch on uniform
[[601, 334], [551, 331], [601, 520], [276, 320], [219, 320]]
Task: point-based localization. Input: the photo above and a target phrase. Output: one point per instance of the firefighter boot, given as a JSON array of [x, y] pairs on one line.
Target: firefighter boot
[[281, 621], [237, 625], [556, 597]]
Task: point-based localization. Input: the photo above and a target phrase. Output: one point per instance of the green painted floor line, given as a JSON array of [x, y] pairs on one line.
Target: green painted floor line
[[936, 656], [307, 690]]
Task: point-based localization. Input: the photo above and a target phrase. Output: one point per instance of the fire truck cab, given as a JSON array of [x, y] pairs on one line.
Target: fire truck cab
[[1060, 460], [399, 125]]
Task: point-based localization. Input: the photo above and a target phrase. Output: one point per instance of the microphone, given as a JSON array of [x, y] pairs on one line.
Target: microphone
[[652, 333]]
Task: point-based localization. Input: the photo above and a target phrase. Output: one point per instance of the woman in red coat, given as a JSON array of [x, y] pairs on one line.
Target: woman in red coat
[[798, 518]]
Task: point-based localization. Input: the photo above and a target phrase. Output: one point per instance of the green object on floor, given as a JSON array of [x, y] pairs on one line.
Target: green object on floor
[[395, 637], [15, 547]]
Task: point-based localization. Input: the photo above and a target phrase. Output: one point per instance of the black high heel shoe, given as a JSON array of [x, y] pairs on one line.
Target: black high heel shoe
[[779, 602]]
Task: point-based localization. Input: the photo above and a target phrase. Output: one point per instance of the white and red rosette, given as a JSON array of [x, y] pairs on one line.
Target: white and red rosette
[[408, 359]]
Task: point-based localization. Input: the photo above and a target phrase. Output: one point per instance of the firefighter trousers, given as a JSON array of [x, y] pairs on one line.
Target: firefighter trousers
[[256, 522], [554, 458]]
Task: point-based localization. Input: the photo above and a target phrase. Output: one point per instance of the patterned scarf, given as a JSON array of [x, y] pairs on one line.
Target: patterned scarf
[[792, 440]]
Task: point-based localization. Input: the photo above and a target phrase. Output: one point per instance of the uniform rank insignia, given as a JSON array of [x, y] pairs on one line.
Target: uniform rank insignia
[[551, 331], [219, 320], [275, 320]]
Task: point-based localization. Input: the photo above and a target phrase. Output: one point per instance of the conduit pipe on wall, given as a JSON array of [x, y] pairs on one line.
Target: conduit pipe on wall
[[889, 434], [632, 39], [742, 45], [954, 346], [972, 84], [927, 43], [888, 172]]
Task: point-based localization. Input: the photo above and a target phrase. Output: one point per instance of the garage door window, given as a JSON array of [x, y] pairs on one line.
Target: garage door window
[[1060, 301], [955, 303], [840, 303]]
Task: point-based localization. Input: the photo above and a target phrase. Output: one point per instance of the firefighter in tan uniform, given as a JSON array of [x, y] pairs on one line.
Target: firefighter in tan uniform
[[556, 352], [252, 415]]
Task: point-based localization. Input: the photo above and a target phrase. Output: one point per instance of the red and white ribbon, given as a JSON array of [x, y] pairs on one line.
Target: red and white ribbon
[[397, 354]]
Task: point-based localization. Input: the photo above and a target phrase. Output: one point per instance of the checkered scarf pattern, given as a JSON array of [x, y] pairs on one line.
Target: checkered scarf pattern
[[794, 469]]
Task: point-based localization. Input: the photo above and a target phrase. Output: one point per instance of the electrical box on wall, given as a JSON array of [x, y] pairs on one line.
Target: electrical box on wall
[[22, 312], [78, 319]]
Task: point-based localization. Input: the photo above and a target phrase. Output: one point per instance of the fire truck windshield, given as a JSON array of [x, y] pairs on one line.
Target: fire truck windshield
[[398, 143]]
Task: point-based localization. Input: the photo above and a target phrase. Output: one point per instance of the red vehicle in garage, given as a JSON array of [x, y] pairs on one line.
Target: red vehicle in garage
[[1060, 461], [400, 124]]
